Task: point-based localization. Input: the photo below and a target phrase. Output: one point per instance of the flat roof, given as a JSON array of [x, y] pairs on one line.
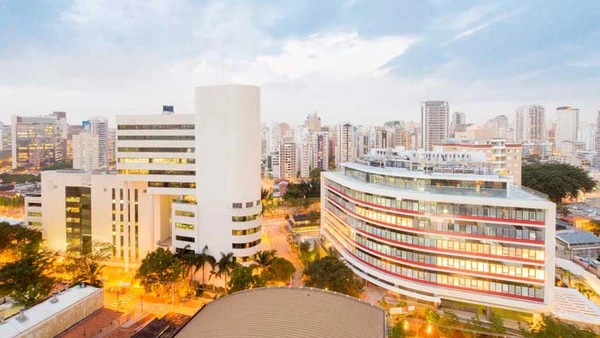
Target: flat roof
[[571, 305], [41, 312], [577, 237], [286, 312]]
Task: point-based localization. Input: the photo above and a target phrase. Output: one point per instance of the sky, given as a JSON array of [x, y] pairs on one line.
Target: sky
[[360, 61]]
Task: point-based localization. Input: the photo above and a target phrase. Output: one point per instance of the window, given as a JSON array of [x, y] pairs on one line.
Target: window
[[236, 205], [245, 218], [184, 226], [185, 239], [249, 204], [184, 213], [245, 232], [245, 245]]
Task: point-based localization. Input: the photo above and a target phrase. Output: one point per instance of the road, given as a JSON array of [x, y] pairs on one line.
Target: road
[[275, 237]]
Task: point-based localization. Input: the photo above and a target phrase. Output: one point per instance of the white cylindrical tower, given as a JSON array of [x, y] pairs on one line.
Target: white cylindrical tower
[[228, 186]]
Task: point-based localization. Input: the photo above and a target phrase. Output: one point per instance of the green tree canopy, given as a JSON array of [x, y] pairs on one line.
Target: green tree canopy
[[88, 265], [552, 327], [243, 278], [160, 266], [18, 241], [331, 274], [281, 269], [558, 181], [448, 323], [27, 280]]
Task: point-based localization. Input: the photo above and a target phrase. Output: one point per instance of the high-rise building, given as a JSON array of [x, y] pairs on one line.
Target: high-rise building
[[313, 122], [5, 137], [37, 141], [530, 123], [152, 200], [86, 148], [567, 121], [304, 152], [383, 137], [99, 126], [586, 133], [451, 233], [434, 123], [320, 150], [111, 145], [597, 142], [288, 158], [346, 144]]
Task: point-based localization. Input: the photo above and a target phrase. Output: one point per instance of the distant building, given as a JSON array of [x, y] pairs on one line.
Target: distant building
[[320, 150], [99, 126], [567, 122], [37, 141], [543, 149], [434, 123], [5, 137], [530, 124], [86, 151], [506, 158], [346, 144], [288, 159], [597, 142], [313, 122]]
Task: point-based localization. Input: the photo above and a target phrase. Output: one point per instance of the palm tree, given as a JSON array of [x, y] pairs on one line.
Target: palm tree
[[187, 257], [584, 290], [226, 264], [200, 261], [264, 259], [568, 274], [93, 273], [213, 271]]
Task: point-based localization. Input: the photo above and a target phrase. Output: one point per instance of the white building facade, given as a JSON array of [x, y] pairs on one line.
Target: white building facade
[[442, 235], [86, 151], [435, 122]]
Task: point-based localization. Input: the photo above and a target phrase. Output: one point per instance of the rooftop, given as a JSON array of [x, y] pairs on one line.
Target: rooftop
[[571, 305], [39, 313], [578, 237], [286, 312]]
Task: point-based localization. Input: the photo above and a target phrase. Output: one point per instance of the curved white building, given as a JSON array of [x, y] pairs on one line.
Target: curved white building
[[228, 148], [442, 234]]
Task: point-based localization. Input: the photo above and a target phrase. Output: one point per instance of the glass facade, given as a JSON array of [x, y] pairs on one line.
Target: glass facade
[[78, 209]]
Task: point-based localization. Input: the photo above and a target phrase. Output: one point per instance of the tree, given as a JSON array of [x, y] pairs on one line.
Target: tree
[[243, 278], [331, 274], [18, 241], [552, 327], [281, 270], [398, 331], [27, 280], [226, 264], [497, 324], [475, 324], [558, 181], [584, 290], [448, 323], [188, 258], [264, 259], [200, 260], [160, 267], [87, 265]]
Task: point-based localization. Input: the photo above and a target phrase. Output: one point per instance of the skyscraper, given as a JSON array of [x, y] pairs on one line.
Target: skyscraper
[[567, 121], [320, 150], [288, 158], [99, 126], [530, 124], [597, 158], [346, 144], [434, 123]]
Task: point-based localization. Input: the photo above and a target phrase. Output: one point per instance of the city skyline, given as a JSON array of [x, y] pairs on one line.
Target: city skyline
[[131, 58]]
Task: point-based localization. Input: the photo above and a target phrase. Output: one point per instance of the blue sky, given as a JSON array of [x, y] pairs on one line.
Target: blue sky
[[360, 61]]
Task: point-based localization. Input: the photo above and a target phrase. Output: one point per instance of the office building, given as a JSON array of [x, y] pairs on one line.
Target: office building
[[37, 141], [442, 228], [86, 150], [586, 133], [530, 124], [304, 153], [151, 199], [434, 123]]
